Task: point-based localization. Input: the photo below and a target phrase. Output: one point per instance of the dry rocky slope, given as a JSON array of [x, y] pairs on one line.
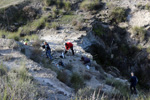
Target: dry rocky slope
[[111, 48]]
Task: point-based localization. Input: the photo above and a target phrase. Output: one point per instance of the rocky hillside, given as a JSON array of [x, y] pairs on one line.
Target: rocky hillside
[[114, 34]]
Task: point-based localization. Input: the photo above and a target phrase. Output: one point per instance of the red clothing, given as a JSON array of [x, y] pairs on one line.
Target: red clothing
[[69, 45]]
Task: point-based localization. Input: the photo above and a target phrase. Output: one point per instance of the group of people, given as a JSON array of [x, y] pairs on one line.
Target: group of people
[[47, 48], [69, 45]]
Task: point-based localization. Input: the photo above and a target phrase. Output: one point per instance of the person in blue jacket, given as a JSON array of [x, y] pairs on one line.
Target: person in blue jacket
[[48, 50], [133, 82]]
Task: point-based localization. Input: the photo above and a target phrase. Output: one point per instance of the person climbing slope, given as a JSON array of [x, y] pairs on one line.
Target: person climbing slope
[[68, 46], [133, 82], [48, 50], [85, 60]]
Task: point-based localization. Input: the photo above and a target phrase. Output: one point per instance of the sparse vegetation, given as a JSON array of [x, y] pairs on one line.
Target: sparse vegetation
[[63, 77], [148, 49], [69, 66], [98, 30], [79, 26], [118, 15], [139, 32], [7, 57], [3, 70], [67, 19], [54, 25], [59, 4], [87, 77], [17, 84], [122, 87], [36, 55], [77, 81], [147, 6], [90, 5], [74, 22]]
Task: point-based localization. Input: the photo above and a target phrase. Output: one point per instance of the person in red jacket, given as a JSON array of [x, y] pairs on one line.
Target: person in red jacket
[[68, 46]]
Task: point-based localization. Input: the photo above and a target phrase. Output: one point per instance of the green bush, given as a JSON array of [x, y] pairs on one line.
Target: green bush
[[87, 77], [3, 70], [74, 22], [67, 19], [69, 66], [77, 81], [48, 2], [139, 32], [148, 49], [54, 25], [98, 30], [122, 87], [90, 5], [36, 55], [7, 57], [67, 5], [147, 7], [32, 26], [63, 77], [118, 15], [17, 85], [59, 4]]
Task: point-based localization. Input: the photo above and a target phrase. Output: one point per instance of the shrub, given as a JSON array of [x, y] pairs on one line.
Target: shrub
[[90, 5], [74, 22], [139, 32], [36, 24], [87, 77], [23, 73], [55, 10], [54, 25], [63, 77], [47, 25], [36, 44], [122, 87], [59, 4], [77, 81], [7, 57], [147, 7], [36, 55], [79, 26], [3, 70], [118, 15], [17, 85], [69, 66], [98, 30], [67, 19], [48, 2], [148, 49], [67, 5]]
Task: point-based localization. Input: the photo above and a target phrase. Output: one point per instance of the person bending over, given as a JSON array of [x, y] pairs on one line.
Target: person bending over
[[68, 46]]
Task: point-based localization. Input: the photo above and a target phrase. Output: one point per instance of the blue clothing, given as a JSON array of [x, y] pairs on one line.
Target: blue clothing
[[48, 54], [47, 47], [86, 60], [133, 80]]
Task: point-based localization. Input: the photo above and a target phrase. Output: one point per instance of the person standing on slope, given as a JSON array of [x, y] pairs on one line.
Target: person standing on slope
[[133, 82], [68, 46], [48, 50]]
